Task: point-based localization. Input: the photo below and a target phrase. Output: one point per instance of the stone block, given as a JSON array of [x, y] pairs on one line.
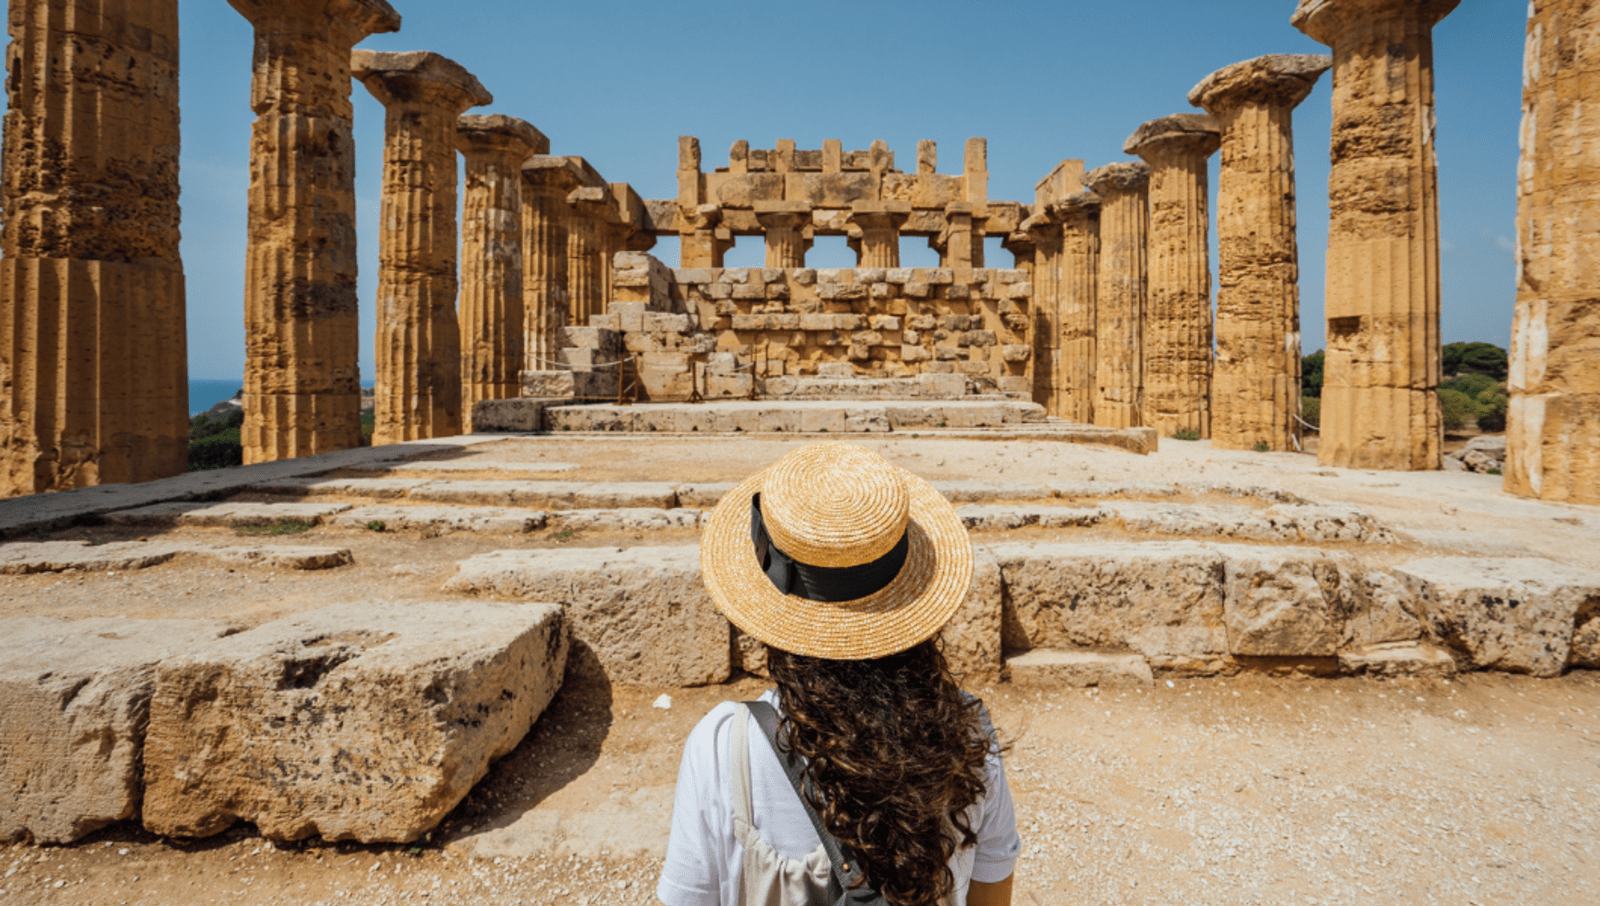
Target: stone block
[[511, 416], [1288, 602], [912, 354], [1398, 659], [1054, 668], [1016, 353], [638, 616], [74, 703], [972, 636], [979, 338], [624, 519], [883, 322], [973, 367], [1516, 614], [1012, 383], [591, 337], [665, 322], [750, 291], [916, 290], [358, 721], [1162, 600], [434, 520]]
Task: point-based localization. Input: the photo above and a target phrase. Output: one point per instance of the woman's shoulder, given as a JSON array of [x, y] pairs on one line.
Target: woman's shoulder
[[715, 725]]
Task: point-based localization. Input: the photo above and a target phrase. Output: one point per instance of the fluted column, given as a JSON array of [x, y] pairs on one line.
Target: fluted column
[[1380, 402], [302, 389], [1044, 236], [1553, 423], [1079, 216], [546, 181], [418, 361], [585, 254], [92, 346], [1120, 293], [494, 148], [1256, 389], [1177, 355], [879, 222], [785, 224]]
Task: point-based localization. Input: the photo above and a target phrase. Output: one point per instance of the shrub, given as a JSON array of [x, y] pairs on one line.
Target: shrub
[[1493, 403], [1186, 434], [1456, 409], [1262, 446], [1311, 375], [376, 525], [218, 451], [1473, 385], [1311, 410]]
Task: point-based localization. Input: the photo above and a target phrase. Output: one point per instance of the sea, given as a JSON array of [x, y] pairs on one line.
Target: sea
[[205, 394]]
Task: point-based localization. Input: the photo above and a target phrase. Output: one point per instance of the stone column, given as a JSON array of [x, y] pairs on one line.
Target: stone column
[[302, 390], [1120, 293], [546, 181], [494, 148], [93, 375], [1553, 424], [956, 244], [586, 269], [785, 224], [1177, 355], [879, 222], [1079, 216], [1043, 234], [704, 243], [1380, 402], [1256, 390], [418, 359], [975, 160]]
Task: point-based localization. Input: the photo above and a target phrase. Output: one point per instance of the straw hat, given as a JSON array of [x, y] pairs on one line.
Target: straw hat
[[834, 552]]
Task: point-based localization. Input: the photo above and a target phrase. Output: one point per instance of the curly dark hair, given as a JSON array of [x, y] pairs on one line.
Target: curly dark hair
[[895, 756]]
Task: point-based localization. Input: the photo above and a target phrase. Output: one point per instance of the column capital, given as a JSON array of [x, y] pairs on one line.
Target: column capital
[[418, 77], [357, 18], [1019, 242], [1040, 226], [874, 214], [497, 133], [595, 203], [1275, 80], [1082, 201], [1180, 135], [559, 174], [703, 217], [1326, 20], [1130, 176]]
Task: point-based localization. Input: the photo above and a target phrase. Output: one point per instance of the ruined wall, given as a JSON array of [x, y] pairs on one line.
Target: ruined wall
[[1553, 423], [93, 355]]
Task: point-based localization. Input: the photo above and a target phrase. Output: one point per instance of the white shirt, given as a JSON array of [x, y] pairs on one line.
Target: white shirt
[[704, 858]]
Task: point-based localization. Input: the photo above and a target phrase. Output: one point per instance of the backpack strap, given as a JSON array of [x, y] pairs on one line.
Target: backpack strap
[[846, 870]]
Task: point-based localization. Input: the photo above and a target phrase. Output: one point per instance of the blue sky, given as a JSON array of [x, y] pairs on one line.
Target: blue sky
[[617, 81]]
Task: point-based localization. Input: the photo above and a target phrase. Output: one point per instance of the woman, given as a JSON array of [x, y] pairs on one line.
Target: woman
[[846, 567]]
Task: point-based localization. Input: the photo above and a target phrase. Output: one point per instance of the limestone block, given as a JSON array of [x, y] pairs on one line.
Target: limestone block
[[23, 557], [624, 519], [971, 639], [1398, 659], [284, 556], [1586, 640], [519, 415], [1054, 668], [1002, 517], [1387, 614], [74, 699], [1016, 353], [1288, 602], [440, 519], [1515, 614], [358, 721], [341, 487], [639, 616], [228, 514], [1163, 600]]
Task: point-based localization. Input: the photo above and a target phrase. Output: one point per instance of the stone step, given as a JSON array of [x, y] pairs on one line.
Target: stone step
[[365, 722], [24, 557], [190, 513], [474, 464], [1053, 667], [1283, 522], [1182, 606], [1398, 659]]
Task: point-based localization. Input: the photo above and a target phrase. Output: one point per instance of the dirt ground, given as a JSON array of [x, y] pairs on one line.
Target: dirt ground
[[1251, 789]]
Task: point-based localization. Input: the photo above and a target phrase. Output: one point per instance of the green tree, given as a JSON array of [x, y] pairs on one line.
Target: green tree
[[1311, 375], [1475, 358], [1457, 409]]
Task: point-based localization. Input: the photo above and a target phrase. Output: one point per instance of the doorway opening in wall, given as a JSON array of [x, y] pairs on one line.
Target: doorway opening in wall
[[915, 252], [831, 251], [747, 251], [994, 255]]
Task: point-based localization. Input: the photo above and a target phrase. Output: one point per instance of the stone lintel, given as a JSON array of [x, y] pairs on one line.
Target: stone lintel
[[880, 207], [704, 217], [1275, 80], [417, 77], [358, 18], [496, 131], [1019, 242], [1127, 176], [1326, 20], [1181, 134], [558, 173], [629, 206], [782, 207], [594, 202]]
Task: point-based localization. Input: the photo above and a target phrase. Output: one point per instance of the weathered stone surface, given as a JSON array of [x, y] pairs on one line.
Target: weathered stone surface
[[1256, 395], [546, 180], [74, 698], [639, 616], [972, 637], [21, 557], [1177, 354], [282, 556], [624, 519], [418, 361], [1163, 600], [92, 343], [993, 518], [1380, 406], [1286, 522], [302, 394], [520, 416], [474, 464], [360, 722], [341, 487], [1120, 292], [493, 147], [1516, 614], [1079, 214], [227, 514], [1288, 602], [434, 519], [1398, 659], [703, 495], [1553, 419], [987, 491], [1055, 667]]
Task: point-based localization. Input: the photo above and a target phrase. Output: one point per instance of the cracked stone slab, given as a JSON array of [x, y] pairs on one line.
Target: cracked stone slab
[[74, 698], [551, 495], [358, 721], [987, 491], [625, 519], [467, 465], [1282, 522], [377, 488], [487, 520], [226, 514], [640, 615], [1398, 659], [23, 557], [1054, 667], [980, 517]]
